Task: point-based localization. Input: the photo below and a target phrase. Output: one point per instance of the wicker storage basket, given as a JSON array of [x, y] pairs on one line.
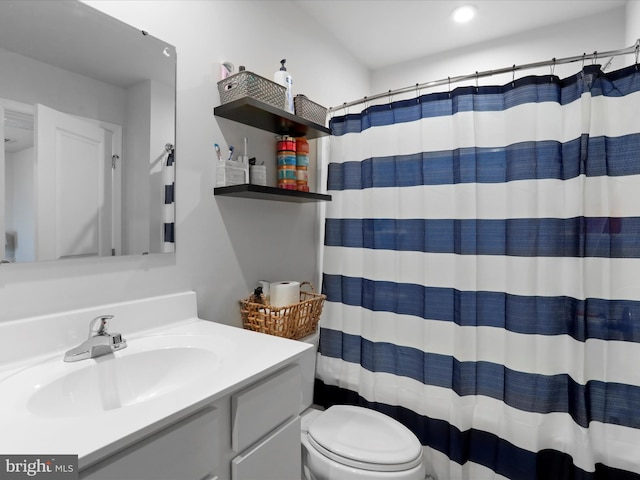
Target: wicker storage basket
[[293, 321], [248, 84], [309, 110]]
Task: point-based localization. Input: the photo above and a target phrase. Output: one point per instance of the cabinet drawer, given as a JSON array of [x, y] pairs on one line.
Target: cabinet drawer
[[187, 450], [276, 457], [263, 406]]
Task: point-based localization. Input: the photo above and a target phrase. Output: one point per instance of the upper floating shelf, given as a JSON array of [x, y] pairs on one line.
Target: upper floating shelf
[[255, 113]]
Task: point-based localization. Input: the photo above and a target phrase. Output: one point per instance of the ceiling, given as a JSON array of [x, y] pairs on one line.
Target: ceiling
[[380, 33]]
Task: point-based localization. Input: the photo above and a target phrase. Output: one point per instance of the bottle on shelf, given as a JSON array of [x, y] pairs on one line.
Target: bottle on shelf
[[284, 78]]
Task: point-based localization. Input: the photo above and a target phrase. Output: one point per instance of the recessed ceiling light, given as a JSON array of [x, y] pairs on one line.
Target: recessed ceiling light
[[464, 13]]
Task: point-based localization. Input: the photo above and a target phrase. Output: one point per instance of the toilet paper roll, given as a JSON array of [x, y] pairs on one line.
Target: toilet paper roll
[[284, 293]]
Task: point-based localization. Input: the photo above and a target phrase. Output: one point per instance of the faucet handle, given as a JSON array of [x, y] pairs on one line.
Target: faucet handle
[[99, 325]]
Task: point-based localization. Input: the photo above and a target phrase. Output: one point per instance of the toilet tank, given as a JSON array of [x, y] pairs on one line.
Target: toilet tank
[[308, 370]]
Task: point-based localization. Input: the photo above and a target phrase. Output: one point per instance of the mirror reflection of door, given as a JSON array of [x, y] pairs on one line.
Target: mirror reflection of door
[[62, 198], [73, 214]]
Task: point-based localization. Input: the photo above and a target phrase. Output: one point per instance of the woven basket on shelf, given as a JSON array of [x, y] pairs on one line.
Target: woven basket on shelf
[[291, 321], [309, 110], [248, 84]]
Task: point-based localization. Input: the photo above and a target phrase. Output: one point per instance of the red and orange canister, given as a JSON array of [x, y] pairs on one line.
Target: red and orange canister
[[286, 155], [286, 144], [302, 164], [302, 146]]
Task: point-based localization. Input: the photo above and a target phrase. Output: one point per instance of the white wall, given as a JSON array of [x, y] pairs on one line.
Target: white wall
[[632, 27], [601, 33], [135, 170], [224, 245], [150, 126]]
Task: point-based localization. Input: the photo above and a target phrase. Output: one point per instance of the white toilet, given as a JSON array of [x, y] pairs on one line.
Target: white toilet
[[354, 443]]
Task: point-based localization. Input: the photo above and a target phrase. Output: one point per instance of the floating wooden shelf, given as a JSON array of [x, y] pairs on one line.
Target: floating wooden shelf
[[255, 113], [261, 192]]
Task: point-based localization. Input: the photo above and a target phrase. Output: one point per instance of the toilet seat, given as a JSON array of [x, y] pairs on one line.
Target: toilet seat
[[364, 439]]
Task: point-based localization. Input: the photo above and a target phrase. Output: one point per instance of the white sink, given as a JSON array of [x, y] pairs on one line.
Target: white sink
[[149, 368], [175, 365]]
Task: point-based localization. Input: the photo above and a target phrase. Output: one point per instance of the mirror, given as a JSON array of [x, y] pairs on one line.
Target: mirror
[[87, 105]]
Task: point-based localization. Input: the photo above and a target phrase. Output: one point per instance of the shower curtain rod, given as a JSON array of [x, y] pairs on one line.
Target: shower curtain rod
[[487, 73]]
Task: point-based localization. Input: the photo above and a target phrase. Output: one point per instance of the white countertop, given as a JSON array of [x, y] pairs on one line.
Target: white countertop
[[247, 356]]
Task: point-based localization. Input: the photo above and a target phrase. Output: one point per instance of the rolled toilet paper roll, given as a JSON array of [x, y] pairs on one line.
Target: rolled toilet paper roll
[[284, 293]]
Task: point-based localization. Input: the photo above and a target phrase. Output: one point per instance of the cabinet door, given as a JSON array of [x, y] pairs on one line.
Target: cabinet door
[[187, 450], [276, 457], [258, 409]]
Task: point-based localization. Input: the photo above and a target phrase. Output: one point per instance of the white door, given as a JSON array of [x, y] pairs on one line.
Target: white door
[[73, 218]]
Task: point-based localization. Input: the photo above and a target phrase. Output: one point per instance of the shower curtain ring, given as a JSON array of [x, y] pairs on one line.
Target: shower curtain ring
[[417, 93], [584, 54], [513, 75], [477, 81], [595, 57], [390, 99], [449, 78], [553, 66]]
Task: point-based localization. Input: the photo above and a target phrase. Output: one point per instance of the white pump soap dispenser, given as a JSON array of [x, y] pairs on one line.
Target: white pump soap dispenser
[[285, 79]]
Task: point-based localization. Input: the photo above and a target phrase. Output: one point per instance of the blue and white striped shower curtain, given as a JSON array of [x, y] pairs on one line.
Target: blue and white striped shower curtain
[[482, 273]]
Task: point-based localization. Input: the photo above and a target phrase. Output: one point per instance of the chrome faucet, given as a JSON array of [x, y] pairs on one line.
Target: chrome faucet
[[100, 341]]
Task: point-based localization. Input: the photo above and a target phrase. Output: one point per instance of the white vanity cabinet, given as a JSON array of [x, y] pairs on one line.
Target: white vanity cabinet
[[186, 450], [249, 434], [266, 428]]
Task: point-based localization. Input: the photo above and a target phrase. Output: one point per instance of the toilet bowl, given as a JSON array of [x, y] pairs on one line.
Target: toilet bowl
[[354, 443]]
